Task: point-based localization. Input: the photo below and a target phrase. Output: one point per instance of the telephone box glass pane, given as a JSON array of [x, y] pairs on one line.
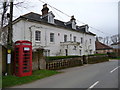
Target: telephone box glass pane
[[26, 49]]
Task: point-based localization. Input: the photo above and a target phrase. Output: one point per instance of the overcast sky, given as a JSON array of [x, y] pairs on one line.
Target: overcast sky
[[99, 14]]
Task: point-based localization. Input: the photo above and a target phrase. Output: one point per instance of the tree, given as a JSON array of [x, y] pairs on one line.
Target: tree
[[4, 8], [115, 38], [106, 40]]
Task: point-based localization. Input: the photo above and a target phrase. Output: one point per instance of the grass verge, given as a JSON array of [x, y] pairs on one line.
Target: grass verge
[[8, 81]]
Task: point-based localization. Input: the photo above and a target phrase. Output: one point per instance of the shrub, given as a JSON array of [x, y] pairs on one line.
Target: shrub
[[96, 54], [51, 58], [112, 55]]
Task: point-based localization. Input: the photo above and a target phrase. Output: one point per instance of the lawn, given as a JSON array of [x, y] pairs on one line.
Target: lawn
[[8, 81]]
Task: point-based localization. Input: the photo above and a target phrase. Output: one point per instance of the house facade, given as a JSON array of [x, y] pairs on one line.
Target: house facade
[[56, 37]]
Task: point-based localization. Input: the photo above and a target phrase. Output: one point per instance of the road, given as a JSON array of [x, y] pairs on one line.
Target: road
[[101, 75]]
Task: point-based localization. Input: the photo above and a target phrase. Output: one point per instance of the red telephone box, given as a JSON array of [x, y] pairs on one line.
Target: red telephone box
[[23, 58]]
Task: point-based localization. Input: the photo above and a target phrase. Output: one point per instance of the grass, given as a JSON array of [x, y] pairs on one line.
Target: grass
[[8, 81], [0, 81]]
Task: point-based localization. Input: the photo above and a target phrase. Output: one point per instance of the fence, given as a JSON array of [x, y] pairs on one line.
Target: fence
[[64, 63]]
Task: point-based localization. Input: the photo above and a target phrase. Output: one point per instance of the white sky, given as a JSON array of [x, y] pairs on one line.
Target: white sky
[[100, 14]]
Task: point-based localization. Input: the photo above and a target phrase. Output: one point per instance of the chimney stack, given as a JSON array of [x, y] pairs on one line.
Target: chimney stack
[[72, 18], [73, 21], [45, 9]]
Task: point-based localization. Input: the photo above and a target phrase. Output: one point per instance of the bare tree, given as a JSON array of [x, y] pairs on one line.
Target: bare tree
[[4, 8], [100, 39], [115, 38], [107, 40]]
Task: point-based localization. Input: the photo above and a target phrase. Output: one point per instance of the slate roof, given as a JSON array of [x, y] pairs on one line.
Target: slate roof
[[37, 17], [101, 46]]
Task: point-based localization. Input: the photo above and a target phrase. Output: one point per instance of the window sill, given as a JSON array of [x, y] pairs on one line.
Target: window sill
[[52, 42], [37, 41]]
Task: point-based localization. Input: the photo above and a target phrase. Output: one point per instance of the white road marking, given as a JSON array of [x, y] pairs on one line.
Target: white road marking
[[93, 85], [114, 69]]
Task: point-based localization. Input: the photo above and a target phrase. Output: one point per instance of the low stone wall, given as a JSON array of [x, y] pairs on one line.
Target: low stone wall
[[97, 59], [79, 61], [64, 63]]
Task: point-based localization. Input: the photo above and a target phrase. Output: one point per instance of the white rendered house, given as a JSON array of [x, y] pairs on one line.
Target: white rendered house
[[56, 37]]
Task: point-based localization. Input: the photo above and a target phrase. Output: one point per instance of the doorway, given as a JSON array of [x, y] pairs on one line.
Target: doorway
[[66, 52]]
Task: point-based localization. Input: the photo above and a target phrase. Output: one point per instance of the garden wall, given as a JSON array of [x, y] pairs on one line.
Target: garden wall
[[75, 61], [64, 63]]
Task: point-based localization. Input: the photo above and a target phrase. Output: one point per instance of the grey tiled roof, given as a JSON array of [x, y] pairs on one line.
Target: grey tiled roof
[[37, 17]]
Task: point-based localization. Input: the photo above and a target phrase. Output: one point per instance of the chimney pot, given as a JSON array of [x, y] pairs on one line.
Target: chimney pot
[[45, 9], [72, 18], [45, 5]]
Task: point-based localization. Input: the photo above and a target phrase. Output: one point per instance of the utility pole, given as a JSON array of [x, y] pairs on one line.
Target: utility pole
[[9, 40]]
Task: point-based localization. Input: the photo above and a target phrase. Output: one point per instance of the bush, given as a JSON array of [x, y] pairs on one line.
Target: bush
[[51, 58], [96, 54], [112, 55]]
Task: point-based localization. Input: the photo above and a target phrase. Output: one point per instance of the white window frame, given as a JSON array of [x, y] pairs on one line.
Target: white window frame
[[52, 38], [65, 38], [75, 39], [38, 36]]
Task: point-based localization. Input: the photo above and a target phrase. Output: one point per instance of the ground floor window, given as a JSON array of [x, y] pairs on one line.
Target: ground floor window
[[47, 53]]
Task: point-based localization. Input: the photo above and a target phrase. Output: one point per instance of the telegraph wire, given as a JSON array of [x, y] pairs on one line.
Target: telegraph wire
[[77, 19]]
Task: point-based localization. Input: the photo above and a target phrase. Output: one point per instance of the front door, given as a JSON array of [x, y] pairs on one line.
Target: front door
[[66, 52]]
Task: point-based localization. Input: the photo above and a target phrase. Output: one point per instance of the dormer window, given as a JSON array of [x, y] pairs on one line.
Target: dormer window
[[71, 23], [86, 28], [48, 16], [51, 17]]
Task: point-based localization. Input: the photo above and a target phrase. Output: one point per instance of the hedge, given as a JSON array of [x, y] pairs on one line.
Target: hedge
[[51, 58], [112, 55]]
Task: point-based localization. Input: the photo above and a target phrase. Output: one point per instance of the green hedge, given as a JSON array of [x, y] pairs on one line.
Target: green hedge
[[96, 54], [51, 58], [112, 55]]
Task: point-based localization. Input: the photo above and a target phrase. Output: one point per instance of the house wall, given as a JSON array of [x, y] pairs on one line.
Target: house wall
[[104, 51], [25, 30]]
